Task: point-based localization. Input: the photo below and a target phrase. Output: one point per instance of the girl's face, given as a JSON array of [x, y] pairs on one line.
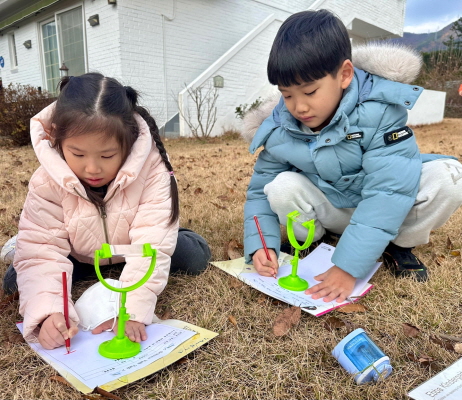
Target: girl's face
[[93, 158]]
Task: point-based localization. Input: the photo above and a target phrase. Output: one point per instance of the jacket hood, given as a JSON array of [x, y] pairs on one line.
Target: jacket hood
[[59, 171], [389, 60]]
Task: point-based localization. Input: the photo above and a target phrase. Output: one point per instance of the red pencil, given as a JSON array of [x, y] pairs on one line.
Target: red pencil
[[66, 310], [262, 239]]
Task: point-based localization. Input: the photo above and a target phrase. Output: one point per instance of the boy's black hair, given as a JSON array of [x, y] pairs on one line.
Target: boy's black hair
[[308, 46]]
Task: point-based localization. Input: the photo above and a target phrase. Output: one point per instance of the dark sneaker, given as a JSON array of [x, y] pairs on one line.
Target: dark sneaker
[[403, 263]]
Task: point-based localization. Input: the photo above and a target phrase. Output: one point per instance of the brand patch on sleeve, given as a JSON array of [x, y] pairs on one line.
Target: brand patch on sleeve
[[354, 135], [397, 135]]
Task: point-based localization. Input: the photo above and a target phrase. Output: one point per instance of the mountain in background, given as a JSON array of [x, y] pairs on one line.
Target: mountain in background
[[426, 42]]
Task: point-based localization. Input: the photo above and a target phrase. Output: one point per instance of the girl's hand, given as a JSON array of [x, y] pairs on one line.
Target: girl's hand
[[264, 266], [54, 332], [336, 285], [136, 331]]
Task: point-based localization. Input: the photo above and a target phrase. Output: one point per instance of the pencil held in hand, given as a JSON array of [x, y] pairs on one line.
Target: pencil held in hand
[[262, 239], [66, 310]]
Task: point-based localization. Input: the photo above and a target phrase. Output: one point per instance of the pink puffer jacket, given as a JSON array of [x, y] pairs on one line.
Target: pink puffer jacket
[[58, 220]]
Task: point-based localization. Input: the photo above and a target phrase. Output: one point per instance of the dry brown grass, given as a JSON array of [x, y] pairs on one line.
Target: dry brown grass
[[247, 360]]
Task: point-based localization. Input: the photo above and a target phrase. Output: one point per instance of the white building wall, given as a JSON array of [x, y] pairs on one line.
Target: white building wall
[[28, 70], [385, 14], [428, 109], [158, 46], [103, 40]]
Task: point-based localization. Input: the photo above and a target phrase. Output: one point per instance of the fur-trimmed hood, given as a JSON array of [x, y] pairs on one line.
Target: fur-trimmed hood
[[389, 60]]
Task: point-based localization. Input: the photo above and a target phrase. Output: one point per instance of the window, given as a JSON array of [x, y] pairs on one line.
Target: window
[[13, 54], [63, 41]]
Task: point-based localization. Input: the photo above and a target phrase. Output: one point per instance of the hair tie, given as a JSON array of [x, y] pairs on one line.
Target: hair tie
[[171, 173]]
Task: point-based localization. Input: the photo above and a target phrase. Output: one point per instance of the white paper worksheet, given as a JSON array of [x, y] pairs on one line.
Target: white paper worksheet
[[88, 366], [317, 262]]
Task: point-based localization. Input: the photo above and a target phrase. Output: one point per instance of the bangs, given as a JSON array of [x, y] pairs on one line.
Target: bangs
[[108, 126], [295, 68]]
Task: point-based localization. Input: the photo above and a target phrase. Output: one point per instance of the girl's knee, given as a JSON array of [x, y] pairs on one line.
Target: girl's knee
[[192, 253]]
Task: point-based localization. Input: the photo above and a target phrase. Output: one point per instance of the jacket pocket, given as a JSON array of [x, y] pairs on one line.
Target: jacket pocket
[[350, 183]]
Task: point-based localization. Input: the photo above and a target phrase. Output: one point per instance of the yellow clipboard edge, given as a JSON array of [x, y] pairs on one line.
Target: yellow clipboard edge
[[238, 266], [202, 336]]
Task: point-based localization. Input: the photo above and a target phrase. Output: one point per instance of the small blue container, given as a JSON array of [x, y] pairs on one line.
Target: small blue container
[[360, 356]]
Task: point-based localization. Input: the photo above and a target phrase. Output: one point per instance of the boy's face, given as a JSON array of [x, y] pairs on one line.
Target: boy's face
[[315, 103]]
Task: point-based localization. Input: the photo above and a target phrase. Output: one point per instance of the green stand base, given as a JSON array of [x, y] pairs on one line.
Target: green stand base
[[119, 348], [294, 283]]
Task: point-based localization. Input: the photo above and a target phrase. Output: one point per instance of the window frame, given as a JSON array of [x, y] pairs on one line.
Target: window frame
[[54, 17], [13, 51]]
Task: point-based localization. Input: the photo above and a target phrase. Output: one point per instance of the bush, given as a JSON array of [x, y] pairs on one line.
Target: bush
[[243, 109], [442, 71], [18, 104]]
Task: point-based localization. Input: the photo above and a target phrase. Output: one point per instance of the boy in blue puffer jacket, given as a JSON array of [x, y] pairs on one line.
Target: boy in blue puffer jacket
[[337, 149]]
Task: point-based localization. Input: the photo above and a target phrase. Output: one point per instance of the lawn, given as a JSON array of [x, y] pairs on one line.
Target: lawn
[[247, 360]]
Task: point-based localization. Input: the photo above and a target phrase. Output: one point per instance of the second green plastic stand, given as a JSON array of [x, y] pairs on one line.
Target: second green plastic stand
[[121, 346], [293, 281]]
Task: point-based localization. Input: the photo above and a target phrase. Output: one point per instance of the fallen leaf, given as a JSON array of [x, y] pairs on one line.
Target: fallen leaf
[[106, 394], [218, 206], [332, 323], [8, 300], [198, 191], [167, 314], [235, 283], [17, 163], [449, 244], [233, 249], [445, 344], [60, 379], [425, 360], [286, 320], [25, 182], [261, 299], [183, 360], [15, 338], [352, 308], [455, 253], [439, 259], [410, 330], [458, 348], [223, 198], [187, 186], [232, 320]]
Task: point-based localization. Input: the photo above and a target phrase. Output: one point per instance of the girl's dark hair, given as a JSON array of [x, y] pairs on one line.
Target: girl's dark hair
[[308, 46], [95, 103]]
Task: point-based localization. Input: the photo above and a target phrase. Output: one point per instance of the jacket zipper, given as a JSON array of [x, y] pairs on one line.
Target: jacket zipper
[[103, 214], [102, 209]]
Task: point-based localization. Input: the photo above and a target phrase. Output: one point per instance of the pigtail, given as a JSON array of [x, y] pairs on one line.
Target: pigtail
[[63, 82], [174, 215]]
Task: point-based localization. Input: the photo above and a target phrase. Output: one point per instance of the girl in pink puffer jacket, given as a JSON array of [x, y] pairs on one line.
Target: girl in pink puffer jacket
[[105, 177]]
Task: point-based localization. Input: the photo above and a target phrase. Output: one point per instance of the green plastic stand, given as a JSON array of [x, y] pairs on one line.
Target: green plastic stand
[[293, 281], [120, 346]]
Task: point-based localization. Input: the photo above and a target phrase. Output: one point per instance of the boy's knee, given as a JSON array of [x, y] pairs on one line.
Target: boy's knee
[[192, 253], [283, 185], [445, 177]]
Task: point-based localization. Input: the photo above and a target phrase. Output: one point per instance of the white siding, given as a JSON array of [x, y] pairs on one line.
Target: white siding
[[158, 46]]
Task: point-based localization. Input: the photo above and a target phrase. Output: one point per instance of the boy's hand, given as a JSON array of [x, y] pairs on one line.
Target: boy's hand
[[136, 331], [264, 266], [54, 332], [336, 284]]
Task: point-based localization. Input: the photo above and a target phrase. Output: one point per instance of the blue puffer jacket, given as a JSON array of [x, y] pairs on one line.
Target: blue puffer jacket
[[366, 158]]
